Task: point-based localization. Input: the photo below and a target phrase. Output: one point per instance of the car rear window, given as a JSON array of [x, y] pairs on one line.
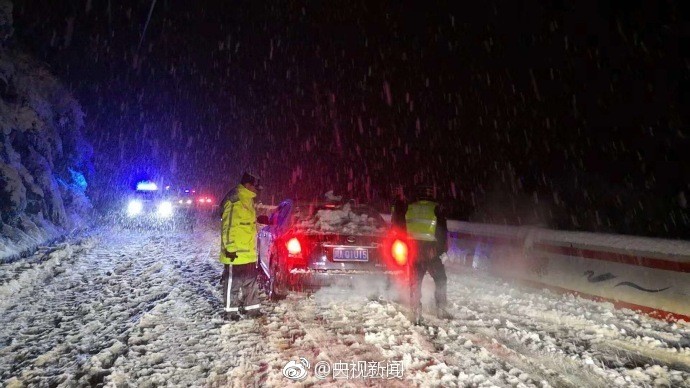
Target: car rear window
[[344, 219]]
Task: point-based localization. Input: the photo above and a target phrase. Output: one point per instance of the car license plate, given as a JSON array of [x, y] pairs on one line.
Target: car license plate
[[340, 254]]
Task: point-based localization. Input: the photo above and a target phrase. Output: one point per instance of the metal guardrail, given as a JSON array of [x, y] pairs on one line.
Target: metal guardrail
[[646, 274]]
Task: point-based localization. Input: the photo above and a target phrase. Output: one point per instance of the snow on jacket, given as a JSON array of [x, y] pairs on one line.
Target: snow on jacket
[[238, 232]]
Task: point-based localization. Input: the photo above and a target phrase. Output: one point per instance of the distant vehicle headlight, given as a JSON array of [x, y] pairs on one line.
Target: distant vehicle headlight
[[189, 201], [165, 209], [134, 207]]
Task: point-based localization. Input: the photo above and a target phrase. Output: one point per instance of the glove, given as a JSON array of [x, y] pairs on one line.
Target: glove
[[231, 255]]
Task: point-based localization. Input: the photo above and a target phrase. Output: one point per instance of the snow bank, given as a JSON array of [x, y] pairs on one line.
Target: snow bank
[[43, 155]]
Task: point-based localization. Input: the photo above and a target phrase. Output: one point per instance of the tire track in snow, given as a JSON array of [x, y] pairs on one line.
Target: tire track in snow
[[183, 340], [82, 315], [298, 327], [512, 341], [603, 342], [474, 327], [511, 315], [427, 363], [500, 363]]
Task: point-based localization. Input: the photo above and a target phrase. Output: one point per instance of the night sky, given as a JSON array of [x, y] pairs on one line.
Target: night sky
[[570, 115]]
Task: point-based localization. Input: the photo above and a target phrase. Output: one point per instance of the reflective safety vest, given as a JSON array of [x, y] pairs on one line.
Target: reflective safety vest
[[421, 220], [238, 227]]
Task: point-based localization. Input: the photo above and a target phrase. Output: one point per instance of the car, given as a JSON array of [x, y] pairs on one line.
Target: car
[[147, 206], [205, 203], [185, 199], [308, 245], [195, 203]]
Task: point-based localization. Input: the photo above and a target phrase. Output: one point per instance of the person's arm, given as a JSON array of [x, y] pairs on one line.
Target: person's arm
[[227, 235], [441, 228]]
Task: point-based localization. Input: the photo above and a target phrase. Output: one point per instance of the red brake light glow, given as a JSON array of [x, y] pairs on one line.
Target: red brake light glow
[[399, 251], [294, 247]]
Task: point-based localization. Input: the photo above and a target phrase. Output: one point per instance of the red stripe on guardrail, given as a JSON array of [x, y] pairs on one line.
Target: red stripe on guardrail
[[655, 313], [641, 261]]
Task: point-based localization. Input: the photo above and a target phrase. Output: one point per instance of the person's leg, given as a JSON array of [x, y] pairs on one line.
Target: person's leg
[[438, 272], [232, 302], [416, 291], [251, 301], [225, 280], [419, 270]]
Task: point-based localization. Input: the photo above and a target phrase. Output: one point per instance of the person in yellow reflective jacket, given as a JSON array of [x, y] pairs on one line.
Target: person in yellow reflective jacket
[[238, 249], [425, 222]]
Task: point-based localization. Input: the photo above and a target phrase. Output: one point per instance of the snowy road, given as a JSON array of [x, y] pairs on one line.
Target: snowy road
[[143, 308]]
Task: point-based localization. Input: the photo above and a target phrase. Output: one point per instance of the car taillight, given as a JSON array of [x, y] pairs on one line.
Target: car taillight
[[294, 247], [399, 251]]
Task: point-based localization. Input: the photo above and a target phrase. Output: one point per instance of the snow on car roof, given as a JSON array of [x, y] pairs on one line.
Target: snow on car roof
[[345, 219]]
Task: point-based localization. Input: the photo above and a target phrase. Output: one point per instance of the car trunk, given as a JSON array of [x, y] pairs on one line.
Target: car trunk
[[345, 253]]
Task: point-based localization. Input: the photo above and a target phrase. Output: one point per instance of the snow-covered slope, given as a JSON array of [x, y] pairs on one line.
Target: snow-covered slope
[[43, 155]]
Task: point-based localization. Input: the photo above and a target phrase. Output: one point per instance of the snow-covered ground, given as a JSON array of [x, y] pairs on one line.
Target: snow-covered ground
[[143, 307]]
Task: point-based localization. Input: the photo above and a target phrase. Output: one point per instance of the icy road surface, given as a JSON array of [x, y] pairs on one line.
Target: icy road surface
[[142, 308]]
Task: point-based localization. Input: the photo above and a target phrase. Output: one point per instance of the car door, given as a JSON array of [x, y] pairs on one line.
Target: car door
[[264, 241], [277, 223], [282, 218]]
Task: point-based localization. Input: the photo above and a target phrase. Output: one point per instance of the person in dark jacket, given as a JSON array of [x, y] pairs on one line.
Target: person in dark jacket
[[425, 222]]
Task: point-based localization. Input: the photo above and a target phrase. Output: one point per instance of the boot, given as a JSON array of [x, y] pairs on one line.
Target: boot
[[232, 316], [417, 315], [254, 313], [442, 313], [418, 320]]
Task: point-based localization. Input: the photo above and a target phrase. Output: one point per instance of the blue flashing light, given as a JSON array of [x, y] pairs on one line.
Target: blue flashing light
[[146, 186]]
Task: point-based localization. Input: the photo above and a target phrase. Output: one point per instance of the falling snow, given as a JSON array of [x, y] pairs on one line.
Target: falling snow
[[569, 118]]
